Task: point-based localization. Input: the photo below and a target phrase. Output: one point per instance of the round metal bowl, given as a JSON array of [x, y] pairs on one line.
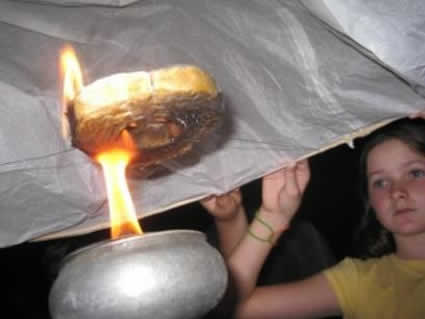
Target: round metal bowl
[[163, 275]]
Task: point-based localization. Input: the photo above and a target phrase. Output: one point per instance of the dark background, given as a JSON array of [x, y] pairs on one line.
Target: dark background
[[331, 206]]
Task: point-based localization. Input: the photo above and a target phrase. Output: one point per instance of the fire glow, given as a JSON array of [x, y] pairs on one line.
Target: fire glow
[[114, 161]]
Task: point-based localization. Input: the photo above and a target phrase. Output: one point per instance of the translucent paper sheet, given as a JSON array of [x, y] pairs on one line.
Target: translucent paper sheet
[[392, 31], [293, 86]]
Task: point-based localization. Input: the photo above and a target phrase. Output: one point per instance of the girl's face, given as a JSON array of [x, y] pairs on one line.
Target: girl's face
[[396, 186]]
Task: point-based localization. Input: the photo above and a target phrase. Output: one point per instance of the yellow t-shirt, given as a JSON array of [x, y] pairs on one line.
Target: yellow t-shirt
[[386, 287]]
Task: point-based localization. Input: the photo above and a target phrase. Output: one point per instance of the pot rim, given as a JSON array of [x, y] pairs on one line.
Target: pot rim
[[129, 238]]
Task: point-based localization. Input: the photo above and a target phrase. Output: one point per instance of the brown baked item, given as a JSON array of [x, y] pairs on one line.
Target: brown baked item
[[164, 111]]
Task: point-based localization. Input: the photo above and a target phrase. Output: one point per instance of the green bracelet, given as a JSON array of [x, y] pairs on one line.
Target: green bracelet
[[269, 238]]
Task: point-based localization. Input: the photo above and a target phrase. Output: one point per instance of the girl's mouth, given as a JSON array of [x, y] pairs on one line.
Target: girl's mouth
[[403, 211]]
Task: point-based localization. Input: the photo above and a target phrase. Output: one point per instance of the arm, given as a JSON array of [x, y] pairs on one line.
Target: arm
[[309, 298], [229, 217], [282, 193]]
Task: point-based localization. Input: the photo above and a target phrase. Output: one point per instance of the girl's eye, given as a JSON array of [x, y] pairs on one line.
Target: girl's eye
[[417, 172], [379, 183]]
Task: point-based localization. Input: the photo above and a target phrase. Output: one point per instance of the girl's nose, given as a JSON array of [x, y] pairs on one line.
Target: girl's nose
[[398, 190]]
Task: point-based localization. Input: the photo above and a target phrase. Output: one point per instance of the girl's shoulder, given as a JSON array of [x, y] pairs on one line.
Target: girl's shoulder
[[379, 267], [364, 266], [360, 274]]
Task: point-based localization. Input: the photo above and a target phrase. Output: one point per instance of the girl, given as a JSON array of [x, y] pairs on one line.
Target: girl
[[389, 285]]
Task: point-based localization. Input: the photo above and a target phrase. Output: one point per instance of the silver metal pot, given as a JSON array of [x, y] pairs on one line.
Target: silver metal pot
[[162, 275]]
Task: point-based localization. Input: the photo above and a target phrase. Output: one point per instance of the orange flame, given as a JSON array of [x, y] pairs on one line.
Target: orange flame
[[114, 160], [73, 78], [72, 83], [121, 208]]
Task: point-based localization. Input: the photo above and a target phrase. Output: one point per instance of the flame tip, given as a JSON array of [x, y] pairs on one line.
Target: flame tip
[[73, 78]]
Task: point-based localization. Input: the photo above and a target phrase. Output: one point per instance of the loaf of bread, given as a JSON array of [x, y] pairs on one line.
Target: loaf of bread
[[165, 111]]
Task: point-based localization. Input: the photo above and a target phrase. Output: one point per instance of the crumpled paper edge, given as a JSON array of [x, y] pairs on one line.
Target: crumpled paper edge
[[345, 139]]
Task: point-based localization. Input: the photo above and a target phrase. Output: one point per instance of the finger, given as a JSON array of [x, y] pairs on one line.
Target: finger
[[278, 177], [208, 198], [224, 201], [273, 182], [209, 202], [420, 114], [303, 174], [235, 192], [291, 181], [274, 175], [236, 195]]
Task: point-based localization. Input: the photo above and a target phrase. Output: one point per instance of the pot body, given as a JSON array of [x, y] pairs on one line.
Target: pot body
[[163, 275]]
